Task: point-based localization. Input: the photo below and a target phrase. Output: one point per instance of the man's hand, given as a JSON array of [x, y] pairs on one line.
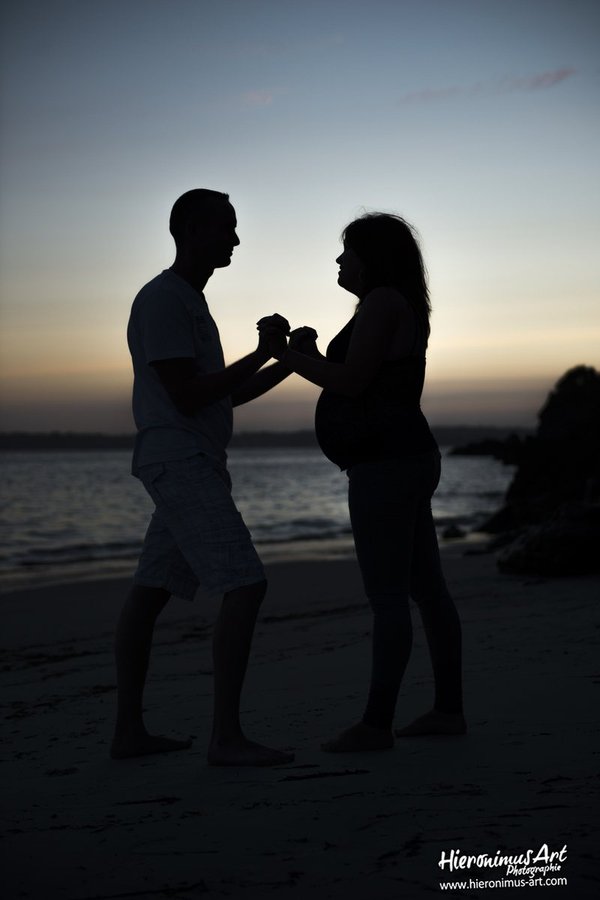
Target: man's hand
[[272, 342], [272, 331], [274, 321], [303, 340]]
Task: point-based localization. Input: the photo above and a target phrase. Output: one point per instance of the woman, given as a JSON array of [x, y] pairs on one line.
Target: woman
[[369, 422]]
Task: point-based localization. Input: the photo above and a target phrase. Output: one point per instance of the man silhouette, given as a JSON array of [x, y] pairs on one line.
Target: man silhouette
[[182, 403]]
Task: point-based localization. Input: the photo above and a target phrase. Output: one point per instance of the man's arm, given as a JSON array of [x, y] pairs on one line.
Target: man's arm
[[190, 389]]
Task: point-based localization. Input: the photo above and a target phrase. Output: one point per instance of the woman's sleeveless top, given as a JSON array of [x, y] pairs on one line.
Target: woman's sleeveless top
[[385, 422]]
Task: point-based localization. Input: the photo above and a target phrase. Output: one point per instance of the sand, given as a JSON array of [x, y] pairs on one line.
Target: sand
[[80, 825]]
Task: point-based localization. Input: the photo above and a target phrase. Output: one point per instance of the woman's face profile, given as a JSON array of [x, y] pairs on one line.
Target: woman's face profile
[[350, 276]]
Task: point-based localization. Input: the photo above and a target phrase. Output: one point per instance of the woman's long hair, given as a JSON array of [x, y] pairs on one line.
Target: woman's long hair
[[387, 246]]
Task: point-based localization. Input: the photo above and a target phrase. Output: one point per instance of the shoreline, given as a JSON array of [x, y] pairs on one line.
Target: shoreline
[[302, 550], [91, 570]]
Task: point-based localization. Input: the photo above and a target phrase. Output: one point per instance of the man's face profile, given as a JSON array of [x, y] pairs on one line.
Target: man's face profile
[[213, 237]]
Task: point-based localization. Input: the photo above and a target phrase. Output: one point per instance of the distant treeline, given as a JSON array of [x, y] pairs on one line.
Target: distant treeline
[[446, 436]]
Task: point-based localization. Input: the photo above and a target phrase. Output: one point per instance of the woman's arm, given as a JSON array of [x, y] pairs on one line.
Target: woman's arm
[[259, 383], [381, 313]]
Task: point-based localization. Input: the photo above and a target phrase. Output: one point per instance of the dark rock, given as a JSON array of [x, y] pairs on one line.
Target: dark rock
[[453, 532], [553, 498], [498, 541], [568, 544], [507, 451], [561, 462], [572, 410], [502, 521]]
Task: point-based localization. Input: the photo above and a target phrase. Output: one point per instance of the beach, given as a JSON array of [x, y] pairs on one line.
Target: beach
[[80, 825]]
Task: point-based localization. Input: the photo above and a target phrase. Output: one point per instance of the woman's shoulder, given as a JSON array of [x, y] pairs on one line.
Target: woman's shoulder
[[386, 300]]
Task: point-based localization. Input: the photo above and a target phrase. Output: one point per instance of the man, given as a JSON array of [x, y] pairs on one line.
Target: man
[[182, 403]]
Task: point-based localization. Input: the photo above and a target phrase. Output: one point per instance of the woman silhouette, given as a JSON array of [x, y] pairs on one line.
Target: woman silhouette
[[369, 422]]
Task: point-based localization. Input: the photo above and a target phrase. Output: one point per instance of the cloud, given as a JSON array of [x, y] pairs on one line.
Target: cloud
[[527, 83], [258, 98], [428, 94], [538, 82]]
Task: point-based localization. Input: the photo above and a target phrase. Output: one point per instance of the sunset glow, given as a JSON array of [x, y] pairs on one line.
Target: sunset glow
[[477, 122]]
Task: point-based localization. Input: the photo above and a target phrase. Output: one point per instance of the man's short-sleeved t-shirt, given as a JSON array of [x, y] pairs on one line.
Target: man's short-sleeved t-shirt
[[170, 319]]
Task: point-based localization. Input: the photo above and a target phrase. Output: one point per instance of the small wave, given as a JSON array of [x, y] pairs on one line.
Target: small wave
[[70, 553], [281, 535]]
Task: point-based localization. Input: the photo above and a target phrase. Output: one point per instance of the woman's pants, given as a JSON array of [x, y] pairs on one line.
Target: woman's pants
[[398, 554]]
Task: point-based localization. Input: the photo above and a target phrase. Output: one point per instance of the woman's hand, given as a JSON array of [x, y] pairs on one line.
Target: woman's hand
[[303, 340]]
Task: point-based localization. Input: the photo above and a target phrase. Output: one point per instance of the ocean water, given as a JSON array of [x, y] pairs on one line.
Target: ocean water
[[72, 514]]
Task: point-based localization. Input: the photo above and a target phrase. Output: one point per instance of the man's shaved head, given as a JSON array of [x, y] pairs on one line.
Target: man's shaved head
[[197, 205]]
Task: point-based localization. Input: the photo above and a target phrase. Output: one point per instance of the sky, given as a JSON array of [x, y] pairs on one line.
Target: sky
[[476, 120]]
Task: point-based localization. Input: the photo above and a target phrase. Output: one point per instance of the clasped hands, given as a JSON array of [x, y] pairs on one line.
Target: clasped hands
[[273, 331]]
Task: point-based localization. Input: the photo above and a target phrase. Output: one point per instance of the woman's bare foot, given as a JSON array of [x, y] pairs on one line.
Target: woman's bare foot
[[125, 747], [359, 738], [239, 751], [434, 722]]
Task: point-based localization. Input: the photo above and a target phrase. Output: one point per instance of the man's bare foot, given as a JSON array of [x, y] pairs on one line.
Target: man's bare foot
[[240, 751], [434, 722], [359, 738], [144, 744]]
